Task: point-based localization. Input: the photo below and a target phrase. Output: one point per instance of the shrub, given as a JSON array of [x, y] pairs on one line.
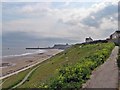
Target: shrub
[[75, 75]]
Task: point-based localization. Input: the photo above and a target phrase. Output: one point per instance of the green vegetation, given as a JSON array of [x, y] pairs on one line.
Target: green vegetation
[[75, 75], [70, 68], [13, 80]]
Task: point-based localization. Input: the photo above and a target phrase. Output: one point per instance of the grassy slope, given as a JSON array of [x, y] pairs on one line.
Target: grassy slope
[[70, 56], [15, 79], [12, 80], [48, 68], [73, 76]]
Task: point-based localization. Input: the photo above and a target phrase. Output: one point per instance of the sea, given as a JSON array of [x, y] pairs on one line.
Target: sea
[[14, 52]]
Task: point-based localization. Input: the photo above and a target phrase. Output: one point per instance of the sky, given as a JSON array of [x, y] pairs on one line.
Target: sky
[[31, 24]]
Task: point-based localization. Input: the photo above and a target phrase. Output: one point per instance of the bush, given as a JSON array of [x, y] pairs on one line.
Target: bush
[[75, 75]]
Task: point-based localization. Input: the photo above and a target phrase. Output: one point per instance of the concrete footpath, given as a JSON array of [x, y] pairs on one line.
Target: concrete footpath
[[105, 76], [25, 78]]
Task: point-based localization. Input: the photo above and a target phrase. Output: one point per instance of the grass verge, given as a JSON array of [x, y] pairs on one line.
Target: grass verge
[[73, 76], [60, 66], [13, 80], [68, 59]]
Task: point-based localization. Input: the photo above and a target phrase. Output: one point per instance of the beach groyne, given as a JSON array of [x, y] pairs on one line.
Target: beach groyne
[[38, 48], [56, 46]]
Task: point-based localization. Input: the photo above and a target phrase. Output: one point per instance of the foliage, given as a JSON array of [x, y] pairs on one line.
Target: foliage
[[68, 69], [15, 79], [73, 76]]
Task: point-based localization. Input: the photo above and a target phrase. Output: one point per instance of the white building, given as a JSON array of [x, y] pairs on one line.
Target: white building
[[88, 39], [115, 35]]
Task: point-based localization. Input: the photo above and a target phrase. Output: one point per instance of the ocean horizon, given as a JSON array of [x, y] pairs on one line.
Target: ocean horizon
[[14, 52]]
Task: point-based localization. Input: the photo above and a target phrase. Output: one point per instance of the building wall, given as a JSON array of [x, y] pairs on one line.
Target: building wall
[[115, 35], [89, 40]]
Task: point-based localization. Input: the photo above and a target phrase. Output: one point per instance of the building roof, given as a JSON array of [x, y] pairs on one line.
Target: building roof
[[89, 38], [118, 31]]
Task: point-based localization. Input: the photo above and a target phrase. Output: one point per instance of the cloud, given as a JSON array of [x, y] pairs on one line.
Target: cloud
[[35, 7], [108, 24], [90, 16], [42, 21], [20, 39], [59, 1]]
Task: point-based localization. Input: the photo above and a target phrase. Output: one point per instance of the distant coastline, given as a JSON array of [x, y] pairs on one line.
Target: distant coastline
[[39, 48], [56, 46]]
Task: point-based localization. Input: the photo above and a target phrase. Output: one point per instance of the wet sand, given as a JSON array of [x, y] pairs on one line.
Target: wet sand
[[20, 62]]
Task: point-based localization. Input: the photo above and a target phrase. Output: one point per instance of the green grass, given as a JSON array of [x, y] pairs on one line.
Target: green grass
[[13, 80], [50, 68], [73, 76]]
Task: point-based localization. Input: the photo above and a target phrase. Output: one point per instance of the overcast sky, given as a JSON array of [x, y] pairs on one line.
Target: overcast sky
[[47, 23]]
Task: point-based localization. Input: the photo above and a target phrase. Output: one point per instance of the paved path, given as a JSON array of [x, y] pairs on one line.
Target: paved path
[[41, 58], [105, 76], [2, 83], [25, 78], [23, 69]]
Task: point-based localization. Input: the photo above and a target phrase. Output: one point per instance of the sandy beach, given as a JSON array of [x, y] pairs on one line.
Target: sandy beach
[[13, 64]]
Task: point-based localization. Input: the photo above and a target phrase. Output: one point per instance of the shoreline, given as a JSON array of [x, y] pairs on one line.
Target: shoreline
[[24, 53], [25, 62]]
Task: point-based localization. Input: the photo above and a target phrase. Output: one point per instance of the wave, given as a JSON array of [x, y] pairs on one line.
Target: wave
[[25, 54]]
